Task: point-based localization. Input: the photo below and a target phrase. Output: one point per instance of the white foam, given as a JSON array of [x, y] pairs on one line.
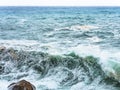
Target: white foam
[[109, 59], [49, 83], [79, 28], [32, 45], [95, 39], [92, 87], [86, 50], [78, 86], [21, 21], [83, 27], [4, 84], [18, 44]]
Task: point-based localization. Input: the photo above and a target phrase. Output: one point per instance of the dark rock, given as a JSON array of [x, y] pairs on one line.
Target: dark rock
[[2, 48], [21, 85], [1, 69]]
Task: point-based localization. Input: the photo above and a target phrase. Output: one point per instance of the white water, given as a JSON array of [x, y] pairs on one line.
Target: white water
[[106, 59], [79, 28]]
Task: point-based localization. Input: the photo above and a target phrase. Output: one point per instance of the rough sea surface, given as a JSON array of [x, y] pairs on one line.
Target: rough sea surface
[[61, 48]]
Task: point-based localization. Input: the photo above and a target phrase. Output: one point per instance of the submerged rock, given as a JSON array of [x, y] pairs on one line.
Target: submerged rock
[[21, 85]]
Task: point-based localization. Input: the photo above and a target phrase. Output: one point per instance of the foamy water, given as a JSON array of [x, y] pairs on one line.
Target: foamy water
[[79, 28], [60, 48]]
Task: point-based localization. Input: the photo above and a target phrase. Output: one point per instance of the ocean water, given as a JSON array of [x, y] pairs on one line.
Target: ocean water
[[61, 48]]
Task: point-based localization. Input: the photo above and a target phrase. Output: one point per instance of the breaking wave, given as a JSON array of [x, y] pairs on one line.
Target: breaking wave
[[79, 28], [56, 72]]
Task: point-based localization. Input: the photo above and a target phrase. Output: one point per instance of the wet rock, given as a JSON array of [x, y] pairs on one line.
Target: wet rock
[[2, 48], [1, 69], [12, 53], [21, 85]]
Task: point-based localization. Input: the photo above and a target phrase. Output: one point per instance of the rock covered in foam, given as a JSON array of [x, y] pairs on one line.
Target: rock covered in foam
[[21, 85], [8, 59], [8, 52]]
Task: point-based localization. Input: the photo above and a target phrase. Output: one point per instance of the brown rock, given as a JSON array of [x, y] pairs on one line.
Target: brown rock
[[21, 85]]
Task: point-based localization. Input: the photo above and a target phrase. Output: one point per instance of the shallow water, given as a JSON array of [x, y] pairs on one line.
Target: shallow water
[[61, 48]]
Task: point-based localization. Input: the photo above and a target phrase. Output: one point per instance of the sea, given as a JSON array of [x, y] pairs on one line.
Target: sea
[[60, 48]]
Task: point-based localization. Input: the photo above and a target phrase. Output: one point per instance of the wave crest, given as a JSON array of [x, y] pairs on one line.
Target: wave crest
[[79, 27]]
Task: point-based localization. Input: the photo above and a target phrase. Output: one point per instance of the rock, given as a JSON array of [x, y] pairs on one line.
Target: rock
[[12, 53], [21, 85], [1, 69], [2, 48], [11, 50]]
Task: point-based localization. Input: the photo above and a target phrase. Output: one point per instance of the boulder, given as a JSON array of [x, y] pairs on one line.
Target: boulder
[[2, 48], [21, 85]]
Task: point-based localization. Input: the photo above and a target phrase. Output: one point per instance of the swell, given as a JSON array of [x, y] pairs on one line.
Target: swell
[[74, 68]]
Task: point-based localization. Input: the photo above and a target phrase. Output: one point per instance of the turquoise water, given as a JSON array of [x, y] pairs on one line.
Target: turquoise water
[[41, 33]]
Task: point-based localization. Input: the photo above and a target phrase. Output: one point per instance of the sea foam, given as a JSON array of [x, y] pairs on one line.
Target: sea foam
[[79, 27]]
